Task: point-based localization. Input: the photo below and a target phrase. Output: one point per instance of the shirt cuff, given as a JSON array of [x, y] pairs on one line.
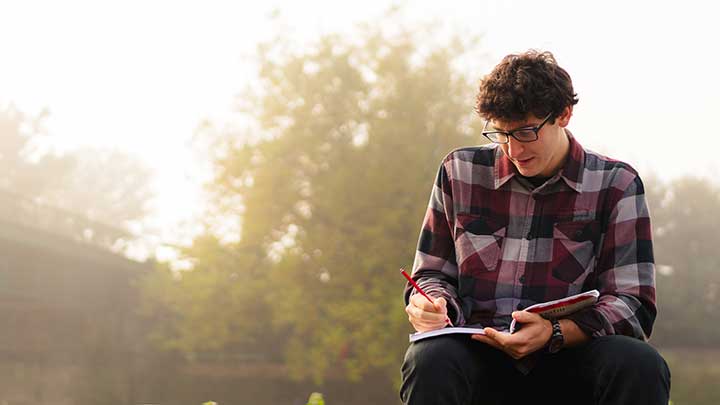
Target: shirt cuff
[[590, 321]]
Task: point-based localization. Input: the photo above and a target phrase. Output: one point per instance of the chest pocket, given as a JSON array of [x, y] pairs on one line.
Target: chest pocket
[[574, 249], [478, 243]]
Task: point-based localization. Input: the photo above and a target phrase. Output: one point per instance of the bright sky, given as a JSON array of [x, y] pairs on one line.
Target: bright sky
[[142, 75]]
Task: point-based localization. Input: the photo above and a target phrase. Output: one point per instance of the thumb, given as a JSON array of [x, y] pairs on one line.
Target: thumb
[[490, 332], [524, 316], [440, 304]]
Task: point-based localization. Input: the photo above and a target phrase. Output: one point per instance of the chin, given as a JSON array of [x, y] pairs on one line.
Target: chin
[[527, 172]]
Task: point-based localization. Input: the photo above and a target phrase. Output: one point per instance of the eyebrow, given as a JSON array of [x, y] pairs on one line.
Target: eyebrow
[[526, 126]]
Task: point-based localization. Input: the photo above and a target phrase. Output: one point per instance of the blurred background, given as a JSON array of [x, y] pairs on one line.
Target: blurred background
[[209, 201]]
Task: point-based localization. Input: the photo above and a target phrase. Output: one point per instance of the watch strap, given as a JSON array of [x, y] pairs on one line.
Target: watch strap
[[556, 339]]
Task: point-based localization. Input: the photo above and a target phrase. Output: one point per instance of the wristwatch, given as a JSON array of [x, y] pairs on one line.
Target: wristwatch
[[557, 340]]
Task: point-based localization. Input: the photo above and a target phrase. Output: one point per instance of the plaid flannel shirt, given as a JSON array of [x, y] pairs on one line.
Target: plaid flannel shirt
[[491, 243]]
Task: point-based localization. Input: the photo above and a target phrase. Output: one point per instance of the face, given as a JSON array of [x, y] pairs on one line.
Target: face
[[543, 157]]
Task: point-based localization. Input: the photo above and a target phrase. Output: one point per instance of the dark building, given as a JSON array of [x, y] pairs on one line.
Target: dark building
[[69, 323]]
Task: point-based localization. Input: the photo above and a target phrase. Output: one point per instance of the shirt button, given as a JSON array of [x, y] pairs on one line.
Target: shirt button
[[529, 236], [522, 278], [520, 307]]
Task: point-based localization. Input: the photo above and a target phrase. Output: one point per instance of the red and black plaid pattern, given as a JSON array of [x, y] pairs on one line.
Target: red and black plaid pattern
[[491, 243]]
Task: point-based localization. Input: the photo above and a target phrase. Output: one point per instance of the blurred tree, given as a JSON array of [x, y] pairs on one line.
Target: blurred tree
[[329, 198], [685, 219], [25, 172], [106, 186], [88, 194]]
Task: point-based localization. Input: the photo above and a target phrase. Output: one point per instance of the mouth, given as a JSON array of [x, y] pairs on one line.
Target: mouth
[[524, 162]]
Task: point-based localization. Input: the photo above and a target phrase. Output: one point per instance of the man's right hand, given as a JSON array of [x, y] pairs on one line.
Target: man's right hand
[[424, 315]]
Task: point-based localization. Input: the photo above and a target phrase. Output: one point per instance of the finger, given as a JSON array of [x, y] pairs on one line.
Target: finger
[[432, 316], [421, 314], [433, 310], [421, 302], [417, 315], [423, 326], [509, 350], [429, 317], [500, 337], [430, 326], [487, 341], [441, 306], [413, 311]]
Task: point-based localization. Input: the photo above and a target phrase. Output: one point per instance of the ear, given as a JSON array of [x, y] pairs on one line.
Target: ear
[[564, 118]]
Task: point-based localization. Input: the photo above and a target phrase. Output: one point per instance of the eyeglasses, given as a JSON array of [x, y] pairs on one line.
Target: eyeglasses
[[528, 134]]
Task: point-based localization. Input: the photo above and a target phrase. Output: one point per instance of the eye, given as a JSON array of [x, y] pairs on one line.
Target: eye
[[525, 134]]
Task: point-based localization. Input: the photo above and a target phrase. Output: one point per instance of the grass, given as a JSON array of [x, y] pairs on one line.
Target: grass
[[695, 375]]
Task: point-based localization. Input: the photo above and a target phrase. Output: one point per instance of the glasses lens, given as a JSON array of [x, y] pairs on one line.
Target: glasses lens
[[525, 135], [496, 137]]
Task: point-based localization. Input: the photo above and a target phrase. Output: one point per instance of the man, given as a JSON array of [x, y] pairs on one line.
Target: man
[[533, 217]]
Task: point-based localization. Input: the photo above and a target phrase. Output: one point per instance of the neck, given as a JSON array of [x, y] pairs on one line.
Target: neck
[[559, 159]]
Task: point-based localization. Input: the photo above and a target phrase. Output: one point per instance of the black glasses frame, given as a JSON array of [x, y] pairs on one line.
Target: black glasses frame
[[508, 134]]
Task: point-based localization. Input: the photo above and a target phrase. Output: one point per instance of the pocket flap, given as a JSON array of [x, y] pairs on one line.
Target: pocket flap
[[578, 231], [480, 225]]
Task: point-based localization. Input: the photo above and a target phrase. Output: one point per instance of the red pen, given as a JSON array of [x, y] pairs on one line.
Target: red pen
[[417, 287]]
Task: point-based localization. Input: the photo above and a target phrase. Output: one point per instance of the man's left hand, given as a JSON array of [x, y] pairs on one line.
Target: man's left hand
[[532, 336]]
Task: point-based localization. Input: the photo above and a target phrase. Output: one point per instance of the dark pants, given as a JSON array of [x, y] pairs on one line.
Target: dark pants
[[457, 370]]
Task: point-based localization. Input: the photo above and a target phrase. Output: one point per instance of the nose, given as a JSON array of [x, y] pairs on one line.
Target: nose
[[515, 148]]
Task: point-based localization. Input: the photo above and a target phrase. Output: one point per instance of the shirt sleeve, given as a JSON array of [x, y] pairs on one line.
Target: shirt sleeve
[[625, 267], [435, 268]]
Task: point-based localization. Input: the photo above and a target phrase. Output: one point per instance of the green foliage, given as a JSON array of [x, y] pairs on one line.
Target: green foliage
[[330, 197], [329, 194], [695, 373], [210, 308], [316, 398], [88, 194]]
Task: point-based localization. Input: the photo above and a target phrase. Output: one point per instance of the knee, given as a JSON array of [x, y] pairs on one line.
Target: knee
[[633, 359], [441, 370], [429, 354], [436, 356]]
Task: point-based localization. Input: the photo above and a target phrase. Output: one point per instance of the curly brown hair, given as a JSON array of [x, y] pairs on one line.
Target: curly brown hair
[[528, 83]]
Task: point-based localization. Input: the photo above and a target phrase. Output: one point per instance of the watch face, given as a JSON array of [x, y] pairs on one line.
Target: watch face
[[555, 344]]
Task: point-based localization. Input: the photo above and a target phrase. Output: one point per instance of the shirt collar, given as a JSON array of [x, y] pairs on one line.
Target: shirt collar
[[571, 172]]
